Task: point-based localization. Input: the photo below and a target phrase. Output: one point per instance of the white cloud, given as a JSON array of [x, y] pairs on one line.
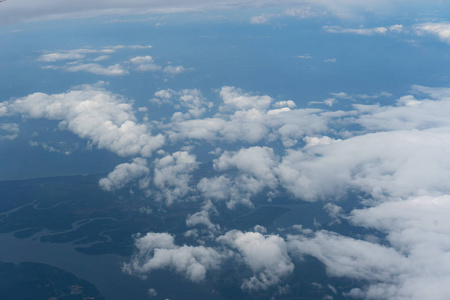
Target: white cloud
[[192, 99], [203, 217], [173, 70], [418, 228], [286, 103], [114, 70], [102, 57], [266, 255], [255, 172], [414, 264], [364, 31], [12, 131], [303, 12], [158, 251], [245, 117], [409, 113], [124, 173], [329, 102], [75, 54], [262, 19], [145, 64], [257, 162], [235, 99], [105, 119], [441, 30], [397, 163], [314, 140], [172, 175], [348, 257], [57, 56]]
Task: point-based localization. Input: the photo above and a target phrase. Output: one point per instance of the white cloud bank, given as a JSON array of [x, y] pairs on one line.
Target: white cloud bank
[[441, 30], [107, 120], [266, 256]]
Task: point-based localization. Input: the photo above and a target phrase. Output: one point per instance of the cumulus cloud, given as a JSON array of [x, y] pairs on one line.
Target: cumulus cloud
[[203, 217], [246, 117], [124, 173], [156, 251], [285, 103], [255, 172], [236, 99], [105, 119], [257, 162], [172, 175], [144, 64], [190, 99], [265, 255]]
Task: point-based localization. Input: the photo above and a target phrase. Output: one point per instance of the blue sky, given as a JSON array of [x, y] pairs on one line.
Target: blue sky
[[315, 100]]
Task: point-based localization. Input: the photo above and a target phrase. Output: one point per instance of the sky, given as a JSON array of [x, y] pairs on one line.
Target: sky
[[317, 99]]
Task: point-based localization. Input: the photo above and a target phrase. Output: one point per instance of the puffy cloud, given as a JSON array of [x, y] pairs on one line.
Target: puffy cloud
[[144, 64], [441, 30], [255, 161], [91, 112], [314, 140], [255, 172], [172, 175], [124, 173], [245, 117], [203, 217], [266, 256], [158, 251], [235, 99], [286, 103], [191, 99]]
